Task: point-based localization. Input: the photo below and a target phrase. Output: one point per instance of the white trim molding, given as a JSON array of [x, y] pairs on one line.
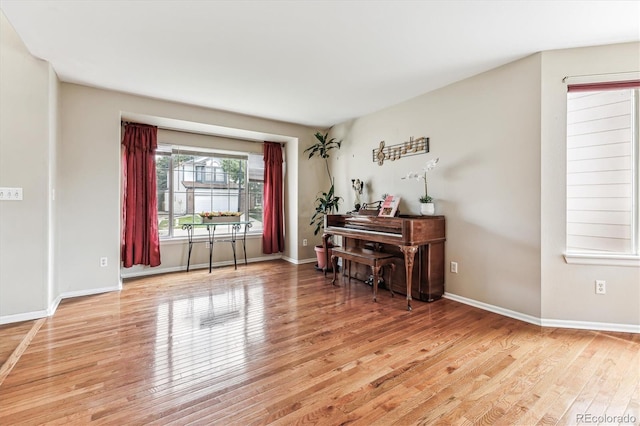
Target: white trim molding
[[587, 325], [28, 316], [300, 261], [581, 325], [495, 309], [602, 259], [90, 292], [599, 78], [160, 270]]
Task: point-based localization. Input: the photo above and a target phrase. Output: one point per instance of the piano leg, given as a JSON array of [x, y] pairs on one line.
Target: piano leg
[[409, 256], [334, 262], [325, 244]]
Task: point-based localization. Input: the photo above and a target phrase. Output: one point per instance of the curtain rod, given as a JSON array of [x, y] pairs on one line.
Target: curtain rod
[[609, 76], [124, 123]]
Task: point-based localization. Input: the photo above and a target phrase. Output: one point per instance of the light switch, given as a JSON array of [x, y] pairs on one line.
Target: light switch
[[10, 194]]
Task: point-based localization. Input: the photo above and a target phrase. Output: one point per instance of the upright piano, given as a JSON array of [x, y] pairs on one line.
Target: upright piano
[[405, 236]]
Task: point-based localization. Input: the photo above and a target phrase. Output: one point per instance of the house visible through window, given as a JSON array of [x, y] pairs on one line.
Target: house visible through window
[[192, 181], [602, 169]]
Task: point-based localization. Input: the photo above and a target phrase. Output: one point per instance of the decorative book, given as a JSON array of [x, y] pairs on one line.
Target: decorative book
[[389, 206]]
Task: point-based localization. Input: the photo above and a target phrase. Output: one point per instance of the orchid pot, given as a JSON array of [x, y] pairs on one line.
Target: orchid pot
[[427, 209]]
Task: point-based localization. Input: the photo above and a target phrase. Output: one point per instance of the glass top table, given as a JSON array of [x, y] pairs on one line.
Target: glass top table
[[238, 232]]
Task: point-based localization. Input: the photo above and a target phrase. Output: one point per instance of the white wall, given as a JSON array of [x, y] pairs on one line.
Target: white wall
[[28, 136], [65, 139], [568, 291], [501, 139], [486, 132], [89, 183]]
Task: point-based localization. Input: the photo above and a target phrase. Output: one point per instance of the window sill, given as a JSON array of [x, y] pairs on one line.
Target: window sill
[[602, 259]]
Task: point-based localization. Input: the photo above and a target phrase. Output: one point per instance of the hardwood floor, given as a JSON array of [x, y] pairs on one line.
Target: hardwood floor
[[274, 343], [12, 335], [15, 340]]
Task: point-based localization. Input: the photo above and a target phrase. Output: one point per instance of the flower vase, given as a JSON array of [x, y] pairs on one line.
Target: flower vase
[[427, 209]]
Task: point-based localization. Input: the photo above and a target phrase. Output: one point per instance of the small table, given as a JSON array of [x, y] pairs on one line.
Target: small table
[[211, 231]]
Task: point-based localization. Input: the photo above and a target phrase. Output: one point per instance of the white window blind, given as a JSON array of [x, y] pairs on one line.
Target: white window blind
[[602, 175]]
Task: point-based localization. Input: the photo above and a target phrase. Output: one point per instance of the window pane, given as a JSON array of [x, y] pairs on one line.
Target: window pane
[[600, 171], [256, 186], [162, 188], [163, 225], [190, 183]]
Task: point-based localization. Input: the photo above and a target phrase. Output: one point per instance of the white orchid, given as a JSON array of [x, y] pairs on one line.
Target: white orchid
[[430, 165]]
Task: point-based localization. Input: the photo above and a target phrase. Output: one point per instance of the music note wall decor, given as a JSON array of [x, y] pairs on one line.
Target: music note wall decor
[[397, 151]]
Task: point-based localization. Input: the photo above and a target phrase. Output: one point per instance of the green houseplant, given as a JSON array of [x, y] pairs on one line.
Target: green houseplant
[[326, 202]]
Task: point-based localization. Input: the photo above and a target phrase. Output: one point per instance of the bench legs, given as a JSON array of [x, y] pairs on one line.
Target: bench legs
[[376, 273], [375, 278], [334, 262], [376, 267]]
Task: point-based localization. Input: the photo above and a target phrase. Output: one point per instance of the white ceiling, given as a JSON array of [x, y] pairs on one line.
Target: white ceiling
[[316, 63]]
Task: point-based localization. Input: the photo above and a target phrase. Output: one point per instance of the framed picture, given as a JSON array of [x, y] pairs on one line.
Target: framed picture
[[389, 206]]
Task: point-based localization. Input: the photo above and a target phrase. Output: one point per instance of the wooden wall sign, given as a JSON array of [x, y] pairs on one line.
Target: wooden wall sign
[[405, 149]]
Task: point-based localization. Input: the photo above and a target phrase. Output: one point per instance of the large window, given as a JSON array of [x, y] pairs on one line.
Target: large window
[[602, 169], [192, 181]]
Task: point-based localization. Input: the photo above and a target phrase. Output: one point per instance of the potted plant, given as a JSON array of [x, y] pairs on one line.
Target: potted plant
[[427, 207], [326, 202], [220, 216]]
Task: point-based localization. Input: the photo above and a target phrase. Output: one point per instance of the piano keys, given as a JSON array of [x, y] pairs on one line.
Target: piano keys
[[417, 242]]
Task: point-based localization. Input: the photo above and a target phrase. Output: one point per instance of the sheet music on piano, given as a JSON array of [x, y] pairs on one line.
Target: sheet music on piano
[[389, 206]]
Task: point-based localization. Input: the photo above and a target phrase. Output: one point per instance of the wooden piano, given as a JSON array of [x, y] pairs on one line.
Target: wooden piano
[[404, 236]]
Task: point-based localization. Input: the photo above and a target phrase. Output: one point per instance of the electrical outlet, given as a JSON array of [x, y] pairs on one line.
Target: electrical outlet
[[103, 262], [305, 242], [601, 287], [454, 267]]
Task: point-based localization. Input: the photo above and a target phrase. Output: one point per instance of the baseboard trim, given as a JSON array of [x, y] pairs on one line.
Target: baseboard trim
[[581, 325], [542, 322], [54, 306], [300, 261], [89, 292], [160, 270], [25, 316], [28, 316], [495, 309], [588, 325]]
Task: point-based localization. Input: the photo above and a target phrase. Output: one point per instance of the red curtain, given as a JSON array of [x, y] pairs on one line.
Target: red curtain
[[273, 214], [140, 239]]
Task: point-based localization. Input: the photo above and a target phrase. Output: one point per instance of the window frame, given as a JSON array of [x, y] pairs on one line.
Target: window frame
[[631, 258], [170, 150]]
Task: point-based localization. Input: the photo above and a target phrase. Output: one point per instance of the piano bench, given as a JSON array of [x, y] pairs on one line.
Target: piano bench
[[377, 260]]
